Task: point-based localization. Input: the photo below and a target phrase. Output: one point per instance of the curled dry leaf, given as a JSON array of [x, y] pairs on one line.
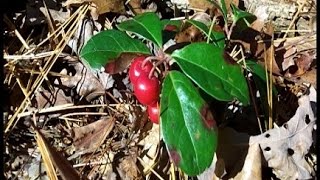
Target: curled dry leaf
[[120, 64], [284, 148], [86, 83], [98, 7], [303, 63], [88, 138], [288, 57]]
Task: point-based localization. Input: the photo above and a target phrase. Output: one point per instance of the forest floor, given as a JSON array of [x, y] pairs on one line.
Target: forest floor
[[63, 120]]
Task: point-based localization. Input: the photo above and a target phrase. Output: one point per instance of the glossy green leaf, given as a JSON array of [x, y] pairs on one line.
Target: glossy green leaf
[[109, 45], [176, 23], [218, 38], [147, 25], [187, 125], [207, 67], [223, 11], [239, 14]]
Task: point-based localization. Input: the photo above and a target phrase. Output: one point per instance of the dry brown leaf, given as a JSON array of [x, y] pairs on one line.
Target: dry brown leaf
[[288, 57], [252, 165], [303, 63], [128, 168], [65, 169], [88, 138], [98, 7], [120, 64], [190, 33], [86, 83]]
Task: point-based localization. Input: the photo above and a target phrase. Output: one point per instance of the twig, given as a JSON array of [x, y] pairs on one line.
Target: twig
[[149, 168], [12, 26], [294, 19]]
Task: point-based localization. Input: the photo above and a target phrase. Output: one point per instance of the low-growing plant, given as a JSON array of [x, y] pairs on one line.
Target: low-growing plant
[[187, 124]]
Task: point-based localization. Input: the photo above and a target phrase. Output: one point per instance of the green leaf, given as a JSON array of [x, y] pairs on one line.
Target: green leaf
[[187, 125], [176, 23], [223, 11], [109, 45], [239, 14], [206, 66], [218, 38], [147, 25]]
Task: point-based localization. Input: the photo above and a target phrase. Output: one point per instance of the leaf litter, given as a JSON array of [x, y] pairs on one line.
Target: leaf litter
[[86, 123]]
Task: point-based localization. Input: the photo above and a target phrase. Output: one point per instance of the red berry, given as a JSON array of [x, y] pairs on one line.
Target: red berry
[[147, 90], [154, 112], [137, 70]]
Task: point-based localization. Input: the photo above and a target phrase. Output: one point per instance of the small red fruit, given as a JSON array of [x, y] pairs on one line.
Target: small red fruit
[[147, 90], [137, 70], [154, 112]]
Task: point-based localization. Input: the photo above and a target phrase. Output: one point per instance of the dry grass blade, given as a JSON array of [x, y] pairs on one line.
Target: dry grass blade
[[14, 120], [53, 159], [150, 168], [46, 156]]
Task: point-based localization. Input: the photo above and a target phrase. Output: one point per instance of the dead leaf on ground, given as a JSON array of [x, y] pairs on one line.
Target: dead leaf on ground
[[285, 148], [83, 80], [98, 7], [91, 136], [302, 64], [120, 64], [128, 168]]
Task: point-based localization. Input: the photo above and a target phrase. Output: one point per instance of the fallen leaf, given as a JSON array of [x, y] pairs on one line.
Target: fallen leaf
[[128, 168], [83, 80], [288, 58], [98, 7], [120, 64], [91, 136], [284, 148], [303, 63]]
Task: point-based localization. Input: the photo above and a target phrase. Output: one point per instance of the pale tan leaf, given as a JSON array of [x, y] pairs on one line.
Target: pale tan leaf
[[98, 7], [84, 81], [252, 165], [285, 148], [91, 136]]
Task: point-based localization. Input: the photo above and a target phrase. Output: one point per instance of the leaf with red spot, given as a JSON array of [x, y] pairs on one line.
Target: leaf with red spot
[[187, 125]]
